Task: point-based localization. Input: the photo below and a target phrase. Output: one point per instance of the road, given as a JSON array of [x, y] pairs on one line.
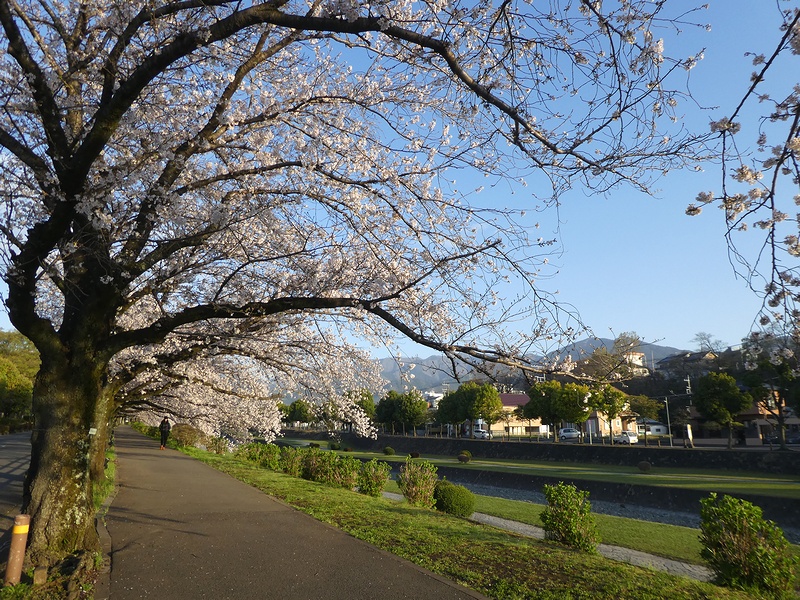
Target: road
[[15, 456]]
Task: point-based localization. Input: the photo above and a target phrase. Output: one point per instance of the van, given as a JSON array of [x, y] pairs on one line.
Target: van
[[626, 437]]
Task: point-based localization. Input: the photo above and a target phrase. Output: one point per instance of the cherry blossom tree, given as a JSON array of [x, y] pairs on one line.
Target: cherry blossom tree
[[205, 202], [760, 180]]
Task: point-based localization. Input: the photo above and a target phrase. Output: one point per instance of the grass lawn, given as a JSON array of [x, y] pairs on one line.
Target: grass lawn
[[724, 482], [669, 541], [494, 562]]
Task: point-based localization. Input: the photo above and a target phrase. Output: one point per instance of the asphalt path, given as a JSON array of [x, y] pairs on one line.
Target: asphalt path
[[182, 530], [15, 457]]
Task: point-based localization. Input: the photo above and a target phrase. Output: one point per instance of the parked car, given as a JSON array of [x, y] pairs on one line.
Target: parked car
[[626, 437], [482, 434], [568, 433], [791, 438]]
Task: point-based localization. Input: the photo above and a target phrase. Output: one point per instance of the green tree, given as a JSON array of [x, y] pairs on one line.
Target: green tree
[[610, 401], [554, 403], [412, 410], [16, 390], [284, 410], [719, 399], [770, 372], [387, 412], [483, 402], [365, 400], [20, 350], [644, 406], [451, 410], [19, 363], [300, 412]]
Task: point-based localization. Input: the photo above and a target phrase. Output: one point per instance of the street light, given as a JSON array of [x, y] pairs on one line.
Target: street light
[[669, 427]]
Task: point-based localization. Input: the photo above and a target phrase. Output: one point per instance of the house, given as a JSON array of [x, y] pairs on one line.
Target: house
[[599, 425], [758, 424], [695, 364], [511, 425], [637, 363]]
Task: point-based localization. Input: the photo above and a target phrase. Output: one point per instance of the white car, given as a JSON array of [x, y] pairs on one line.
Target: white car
[[482, 434], [568, 433], [626, 437]]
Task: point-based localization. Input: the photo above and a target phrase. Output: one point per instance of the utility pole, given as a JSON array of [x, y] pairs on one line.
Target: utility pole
[[669, 425]]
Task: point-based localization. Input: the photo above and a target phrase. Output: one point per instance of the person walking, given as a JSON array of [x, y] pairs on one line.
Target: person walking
[[164, 427]]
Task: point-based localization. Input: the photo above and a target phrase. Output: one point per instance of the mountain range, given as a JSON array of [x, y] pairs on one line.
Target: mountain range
[[434, 373]]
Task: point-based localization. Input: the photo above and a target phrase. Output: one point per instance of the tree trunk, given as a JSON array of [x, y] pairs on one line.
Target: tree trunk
[[67, 455]]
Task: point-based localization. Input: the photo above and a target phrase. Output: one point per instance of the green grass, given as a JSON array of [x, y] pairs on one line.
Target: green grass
[[493, 562], [733, 483], [103, 489], [669, 541]]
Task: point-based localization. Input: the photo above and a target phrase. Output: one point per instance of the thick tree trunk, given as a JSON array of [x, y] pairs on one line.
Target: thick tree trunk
[[67, 454]]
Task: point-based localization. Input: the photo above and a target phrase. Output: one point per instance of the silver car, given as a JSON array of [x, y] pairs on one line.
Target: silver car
[[568, 433]]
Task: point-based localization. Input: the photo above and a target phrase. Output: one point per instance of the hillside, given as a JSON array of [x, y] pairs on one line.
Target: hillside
[[434, 373]]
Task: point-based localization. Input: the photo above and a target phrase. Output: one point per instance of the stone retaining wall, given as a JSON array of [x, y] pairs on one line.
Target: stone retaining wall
[[761, 460], [785, 512]]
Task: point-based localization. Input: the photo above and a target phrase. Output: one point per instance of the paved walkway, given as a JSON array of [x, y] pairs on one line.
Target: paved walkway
[[15, 457], [181, 530]]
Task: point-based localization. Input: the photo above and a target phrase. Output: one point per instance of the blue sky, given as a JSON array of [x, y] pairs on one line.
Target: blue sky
[[633, 262], [636, 263]]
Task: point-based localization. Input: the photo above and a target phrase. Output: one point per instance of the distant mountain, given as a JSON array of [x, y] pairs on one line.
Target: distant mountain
[[582, 349], [435, 373], [425, 374]]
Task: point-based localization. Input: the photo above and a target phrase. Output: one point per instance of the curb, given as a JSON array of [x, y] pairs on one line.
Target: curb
[[102, 587]]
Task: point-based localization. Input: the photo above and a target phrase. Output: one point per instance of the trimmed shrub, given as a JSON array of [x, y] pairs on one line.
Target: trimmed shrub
[[343, 471], [644, 466], [388, 451], [149, 430], [465, 453], [186, 435], [453, 499], [414, 454], [291, 461], [330, 468], [744, 550], [372, 477], [417, 481], [266, 456], [568, 519], [334, 446], [312, 463], [463, 458], [217, 445]]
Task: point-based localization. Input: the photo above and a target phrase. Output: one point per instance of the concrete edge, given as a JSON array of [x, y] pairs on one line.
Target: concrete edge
[[102, 587]]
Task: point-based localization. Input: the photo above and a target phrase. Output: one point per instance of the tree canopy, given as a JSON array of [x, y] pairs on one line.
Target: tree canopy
[[719, 399], [204, 202], [408, 409], [554, 402]]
